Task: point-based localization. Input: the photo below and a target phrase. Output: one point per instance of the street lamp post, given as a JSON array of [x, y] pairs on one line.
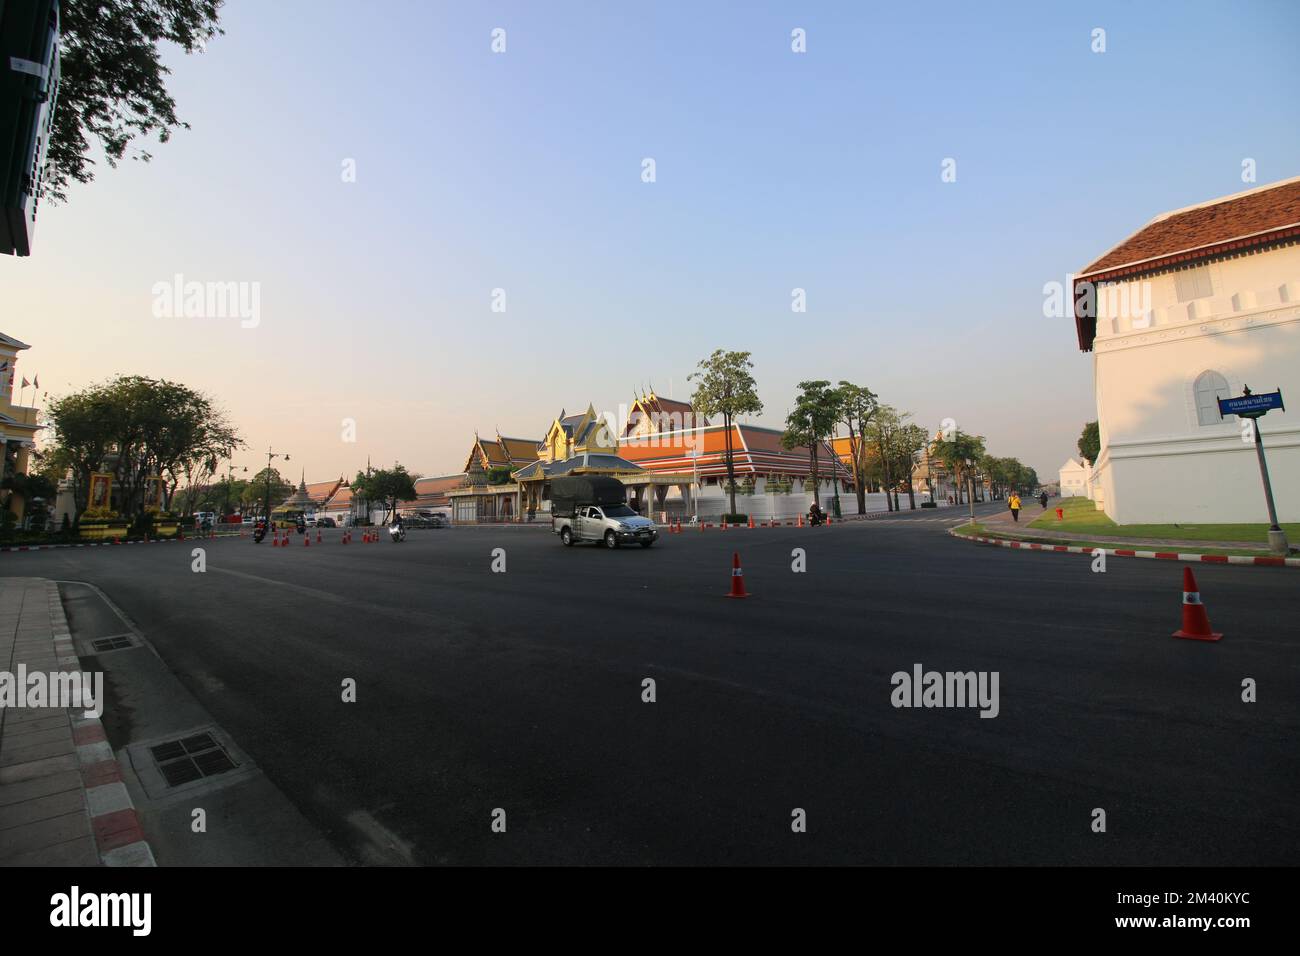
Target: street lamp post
[[230, 468], [270, 456]]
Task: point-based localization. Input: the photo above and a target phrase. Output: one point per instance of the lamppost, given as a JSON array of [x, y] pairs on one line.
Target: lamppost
[[270, 456], [230, 468]]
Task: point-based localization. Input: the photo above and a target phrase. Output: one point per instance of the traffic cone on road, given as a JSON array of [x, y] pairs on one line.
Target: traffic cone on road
[[799, 523], [737, 578], [306, 541], [1196, 623], [751, 521], [318, 536]]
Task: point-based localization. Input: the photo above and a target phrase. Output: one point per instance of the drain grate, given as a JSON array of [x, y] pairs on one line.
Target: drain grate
[[112, 643], [191, 758]]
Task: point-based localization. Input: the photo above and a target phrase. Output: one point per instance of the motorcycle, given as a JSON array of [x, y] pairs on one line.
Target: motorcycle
[[397, 533], [259, 533], [815, 518]]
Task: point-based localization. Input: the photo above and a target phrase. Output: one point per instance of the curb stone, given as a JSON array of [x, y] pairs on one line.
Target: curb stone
[[113, 818], [1239, 559]]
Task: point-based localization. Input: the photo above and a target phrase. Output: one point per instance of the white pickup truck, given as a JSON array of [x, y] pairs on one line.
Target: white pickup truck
[[594, 508]]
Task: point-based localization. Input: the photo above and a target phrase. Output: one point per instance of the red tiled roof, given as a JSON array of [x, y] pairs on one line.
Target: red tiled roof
[[1223, 220], [433, 491], [320, 491], [1256, 218], [754, 449]]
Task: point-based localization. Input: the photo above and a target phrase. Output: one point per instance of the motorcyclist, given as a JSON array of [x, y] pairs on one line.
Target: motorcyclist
[[815, 514]]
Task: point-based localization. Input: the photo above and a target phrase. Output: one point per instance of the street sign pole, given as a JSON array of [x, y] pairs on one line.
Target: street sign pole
[[1276, 536], [1256, 407]]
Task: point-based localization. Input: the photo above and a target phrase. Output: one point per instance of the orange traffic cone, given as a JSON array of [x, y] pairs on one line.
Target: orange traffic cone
[[318, 535], [799, 523], [1196, 623], [751, 521], [306, 541], [737, 578]]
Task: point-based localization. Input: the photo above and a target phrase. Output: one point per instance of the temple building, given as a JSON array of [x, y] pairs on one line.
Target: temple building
[[489, 491], [682, 452]]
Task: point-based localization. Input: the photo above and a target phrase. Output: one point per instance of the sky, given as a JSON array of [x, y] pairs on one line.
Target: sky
[[522, 171]]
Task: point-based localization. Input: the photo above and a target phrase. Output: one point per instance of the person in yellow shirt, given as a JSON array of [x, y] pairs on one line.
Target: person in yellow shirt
[[1014, 504]]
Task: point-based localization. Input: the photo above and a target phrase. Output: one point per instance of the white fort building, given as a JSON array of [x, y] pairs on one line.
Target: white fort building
[[1193, 307]]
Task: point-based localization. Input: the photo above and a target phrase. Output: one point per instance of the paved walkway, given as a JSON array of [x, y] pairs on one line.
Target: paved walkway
[[1001, 522], [62, 799]]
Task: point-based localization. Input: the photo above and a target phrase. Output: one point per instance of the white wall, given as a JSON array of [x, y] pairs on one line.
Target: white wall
[[1158, 464]]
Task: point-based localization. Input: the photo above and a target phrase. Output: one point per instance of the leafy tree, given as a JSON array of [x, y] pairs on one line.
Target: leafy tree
[[857, 407], [882, 433], [1090, 443], [961, 454], [388, 486], [910, 441], [80, 427], [726, 387], [112, 80], [813, 418], [255, 494]]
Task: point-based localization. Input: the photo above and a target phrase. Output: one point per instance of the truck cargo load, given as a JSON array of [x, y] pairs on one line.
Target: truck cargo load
[[577, 491]]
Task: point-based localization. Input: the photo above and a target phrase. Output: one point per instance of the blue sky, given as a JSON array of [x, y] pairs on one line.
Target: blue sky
[[521, 171]]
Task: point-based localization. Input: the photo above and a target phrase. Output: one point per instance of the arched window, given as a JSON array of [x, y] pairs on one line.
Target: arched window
[[1209, 388]]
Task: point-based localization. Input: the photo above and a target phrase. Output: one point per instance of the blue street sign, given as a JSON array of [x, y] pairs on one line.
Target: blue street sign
[[1251, 406]]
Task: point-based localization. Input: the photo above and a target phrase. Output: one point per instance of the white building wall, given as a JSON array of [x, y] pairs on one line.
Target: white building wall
[[1158, 462]]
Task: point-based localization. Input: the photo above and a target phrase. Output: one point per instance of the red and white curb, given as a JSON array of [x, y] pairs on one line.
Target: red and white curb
[[104, 544], [113, 819], [1269, 562]]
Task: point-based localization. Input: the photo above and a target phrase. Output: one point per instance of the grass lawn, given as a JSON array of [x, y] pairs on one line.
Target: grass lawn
[[1082, 516], [978, 531]]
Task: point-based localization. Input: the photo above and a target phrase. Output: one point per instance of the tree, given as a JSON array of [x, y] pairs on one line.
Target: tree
[[726, 387], [112, 80], [81, 432], [815, 413], [255, 494], [960, 453], [1090, 443], [388, 486], [910, 441], [857, 407], [882, 433]]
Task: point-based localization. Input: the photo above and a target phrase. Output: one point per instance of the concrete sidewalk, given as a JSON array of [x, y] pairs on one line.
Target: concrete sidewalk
[[1002, 522], [62, 799]]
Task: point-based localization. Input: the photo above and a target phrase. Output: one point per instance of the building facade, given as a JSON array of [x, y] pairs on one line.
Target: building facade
[[1195, 306], [17, 424]]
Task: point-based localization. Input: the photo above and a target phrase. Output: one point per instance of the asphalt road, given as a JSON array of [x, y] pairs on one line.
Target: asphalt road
[[522, 691]]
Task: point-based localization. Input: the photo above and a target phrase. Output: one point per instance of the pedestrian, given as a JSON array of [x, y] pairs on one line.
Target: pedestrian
[[1014, 504], [1043, 500]]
